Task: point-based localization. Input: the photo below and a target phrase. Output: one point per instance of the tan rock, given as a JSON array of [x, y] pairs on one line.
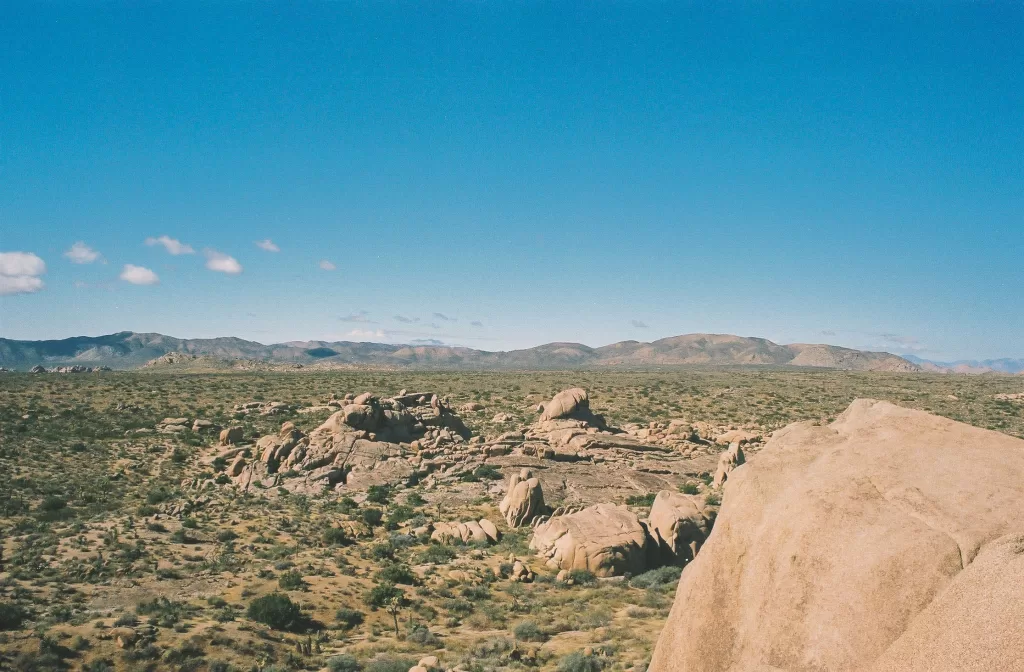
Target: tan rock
[[679, 524], [565, 404], [727, 461], [889, 540], [605, 539], [491, 530], [524, 500], [231, 436]]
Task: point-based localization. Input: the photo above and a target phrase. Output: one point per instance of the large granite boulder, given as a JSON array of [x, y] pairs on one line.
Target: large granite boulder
[[889, 540], [605, 539], [679, 524], [524, 500]]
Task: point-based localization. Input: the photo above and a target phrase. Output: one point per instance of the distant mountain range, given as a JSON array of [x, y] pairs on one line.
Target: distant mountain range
[[1004, 365], [126, 350]]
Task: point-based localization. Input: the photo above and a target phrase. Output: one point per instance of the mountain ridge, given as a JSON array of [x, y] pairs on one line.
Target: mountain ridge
[[127, 349]]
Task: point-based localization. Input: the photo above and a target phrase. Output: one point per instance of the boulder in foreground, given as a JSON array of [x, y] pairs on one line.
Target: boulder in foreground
[[889, 540]]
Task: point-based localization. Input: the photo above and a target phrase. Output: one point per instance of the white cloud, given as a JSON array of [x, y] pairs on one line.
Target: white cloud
[[406, 320], [173, 246], [638, 324], [19, 273], [268, 245], [367, 333], [359, 316], [80, 253], [327, 266], [442, 316], [138, 275], [222, 263]]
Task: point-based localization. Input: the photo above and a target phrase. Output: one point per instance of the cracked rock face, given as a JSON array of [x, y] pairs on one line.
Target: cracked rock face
[[605, 539], [891, 539]]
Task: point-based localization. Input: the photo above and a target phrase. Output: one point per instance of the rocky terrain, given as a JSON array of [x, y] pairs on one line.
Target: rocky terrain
[[128, 350], [386, 521]]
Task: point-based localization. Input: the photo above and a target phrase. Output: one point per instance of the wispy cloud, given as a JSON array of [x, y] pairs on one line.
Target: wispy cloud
[[442, 316], [222, 263], [368, 333], [268, 245], [19, 273], [426, 341], [476, 323], [828, 332], [138, 275], [358, 316], [638, 324], [80, 253], [406, 320], [326, 265], [172, 245]]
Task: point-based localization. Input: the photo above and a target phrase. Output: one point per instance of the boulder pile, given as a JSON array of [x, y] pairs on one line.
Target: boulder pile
[[482, 531], [605, 539], [523, 501], [890, 540], [678, 526]]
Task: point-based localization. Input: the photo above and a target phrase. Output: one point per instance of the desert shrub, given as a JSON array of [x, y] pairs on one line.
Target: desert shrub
[[189, 523], [11, 616], [529, 631], [346, 662], [421, 634], [382, 551], [582, 577], [156, 527], [225, 536], [656, 578], [381, 594], [398, 515], [577, 662], [126, 621], [387, 663], [689, 488], [711, 499], [372, 517], [400, 574], [335, 536], [348, 618], [275, 610], [436, 554], [487, 472], [641, 500], [378, 494], [291, 580], [415, 499]]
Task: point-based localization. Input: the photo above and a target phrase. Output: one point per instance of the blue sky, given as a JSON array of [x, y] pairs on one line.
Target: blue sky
[[501, 175]]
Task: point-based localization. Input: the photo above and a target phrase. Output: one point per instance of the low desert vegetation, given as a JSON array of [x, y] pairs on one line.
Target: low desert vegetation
[[129, 550]]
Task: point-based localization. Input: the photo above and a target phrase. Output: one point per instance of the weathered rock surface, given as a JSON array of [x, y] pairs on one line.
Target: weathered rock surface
[[605, 539], [888, 540], [729, 460], [679, 524], [524, 500]]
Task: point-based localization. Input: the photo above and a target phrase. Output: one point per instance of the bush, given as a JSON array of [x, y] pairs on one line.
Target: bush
[[275, 610], [226, 536], [386, 663], [436, 554], [528, 631], [641, 500], [689, 488], [348, 618], [291, 580], [582, 577], [335, 536], [346, 662], [421, 634], [577, 662], [415, 499], [11, 616], [398, 574], [373, 517], [382, 594], [378, 494], [711, 499], [656, 578]]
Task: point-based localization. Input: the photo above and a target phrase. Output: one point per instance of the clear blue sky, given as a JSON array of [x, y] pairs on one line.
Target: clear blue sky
[[849, 173]]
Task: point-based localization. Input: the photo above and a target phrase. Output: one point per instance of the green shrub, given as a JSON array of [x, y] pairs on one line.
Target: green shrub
[[415, 499], [641, 500], [487, 472], [656, 578], [711, 499], [11, 616], [386, 663], [528, 631], [436, 554], [582, 577], [577, 662], [689, 488], [398, 574], [348, 618], [373, 517], [378, 494], [291, 580], [275, 610], [381, 594], [335, 536], [225, 536], [346, 662]]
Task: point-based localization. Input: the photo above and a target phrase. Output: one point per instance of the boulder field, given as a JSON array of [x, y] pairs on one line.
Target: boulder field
[[889, 540]]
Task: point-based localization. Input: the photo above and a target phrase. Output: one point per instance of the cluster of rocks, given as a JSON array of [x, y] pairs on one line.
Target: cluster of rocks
[[175, 425], [482, 531], [263, 408], [367, 440], [77, 368]]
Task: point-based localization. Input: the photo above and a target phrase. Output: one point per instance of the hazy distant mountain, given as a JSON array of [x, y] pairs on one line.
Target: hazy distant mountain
[[1004, 365], [129, 350]]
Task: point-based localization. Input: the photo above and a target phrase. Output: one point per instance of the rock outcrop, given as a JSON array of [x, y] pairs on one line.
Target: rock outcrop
[[727, 461], [679, 524], [524, 500], [605, 539], [889, 540], [482, 531]]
